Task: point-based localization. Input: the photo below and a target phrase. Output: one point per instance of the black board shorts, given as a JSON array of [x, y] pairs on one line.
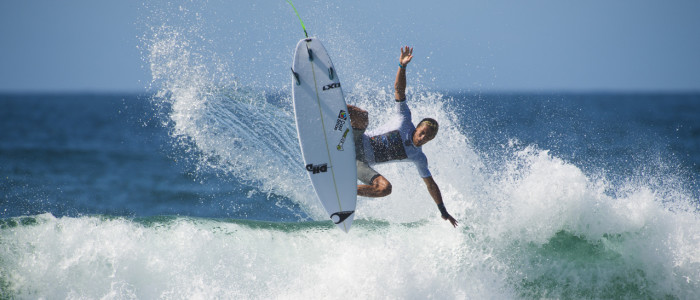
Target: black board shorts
[[365, 173]]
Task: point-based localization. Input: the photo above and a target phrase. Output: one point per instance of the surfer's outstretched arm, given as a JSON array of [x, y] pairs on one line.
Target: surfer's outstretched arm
[[434, 191], [400, 84]]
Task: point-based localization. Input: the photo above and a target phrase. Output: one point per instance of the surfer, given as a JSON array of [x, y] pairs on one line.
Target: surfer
[[402, 143]]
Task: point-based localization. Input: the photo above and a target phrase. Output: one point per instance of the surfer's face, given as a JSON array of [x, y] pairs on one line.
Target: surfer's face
[[423, 134]]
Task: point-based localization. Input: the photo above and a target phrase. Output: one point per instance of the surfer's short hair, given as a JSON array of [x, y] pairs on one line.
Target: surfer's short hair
[[430, 122]]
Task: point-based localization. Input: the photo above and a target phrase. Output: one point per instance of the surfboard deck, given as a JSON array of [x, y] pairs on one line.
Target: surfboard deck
[[323, 128]]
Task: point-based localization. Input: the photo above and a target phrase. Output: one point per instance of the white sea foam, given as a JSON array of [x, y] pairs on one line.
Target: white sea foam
[[555, 238], [90, 257]]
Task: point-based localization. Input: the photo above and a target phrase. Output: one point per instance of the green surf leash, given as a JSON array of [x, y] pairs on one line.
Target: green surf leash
[[302, 22]]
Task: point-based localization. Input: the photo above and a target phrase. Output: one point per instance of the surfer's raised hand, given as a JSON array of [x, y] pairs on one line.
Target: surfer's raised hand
[[406, 56], [451, 219], [400, 84]]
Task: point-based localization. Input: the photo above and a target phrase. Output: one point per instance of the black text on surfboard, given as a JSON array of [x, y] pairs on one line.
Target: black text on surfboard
[[315, 169], [331, 86]]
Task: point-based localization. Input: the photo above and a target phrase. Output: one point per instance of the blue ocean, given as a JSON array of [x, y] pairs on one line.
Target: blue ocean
[[205, 196], [194, 188]]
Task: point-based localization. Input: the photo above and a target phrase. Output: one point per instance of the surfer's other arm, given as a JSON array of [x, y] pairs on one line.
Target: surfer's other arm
[[434, 191], [400, 84]]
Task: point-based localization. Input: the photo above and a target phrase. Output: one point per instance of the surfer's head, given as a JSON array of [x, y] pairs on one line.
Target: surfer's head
[[426, 130]]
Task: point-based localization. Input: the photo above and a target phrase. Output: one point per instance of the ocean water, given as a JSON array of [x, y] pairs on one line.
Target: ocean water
[[169, 196], [195, 188]]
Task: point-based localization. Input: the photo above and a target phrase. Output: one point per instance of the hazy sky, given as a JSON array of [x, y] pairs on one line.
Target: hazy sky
[[469, 45]]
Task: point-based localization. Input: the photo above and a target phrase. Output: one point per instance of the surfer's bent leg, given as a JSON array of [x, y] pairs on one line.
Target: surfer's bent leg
[[377, 187], [358, 117]]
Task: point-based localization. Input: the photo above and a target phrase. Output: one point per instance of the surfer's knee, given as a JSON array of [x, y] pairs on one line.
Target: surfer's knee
[[382, 186], [359, 118]]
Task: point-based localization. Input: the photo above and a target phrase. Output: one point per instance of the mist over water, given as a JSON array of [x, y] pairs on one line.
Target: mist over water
[[535, 221]]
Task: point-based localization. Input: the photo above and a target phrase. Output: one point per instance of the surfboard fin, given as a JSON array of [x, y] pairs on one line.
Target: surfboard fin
[[342, 215], [296, 76], [331, 73]]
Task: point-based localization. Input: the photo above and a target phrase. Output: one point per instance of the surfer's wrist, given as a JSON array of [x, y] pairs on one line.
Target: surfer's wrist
[[443, 210], [402, 66]]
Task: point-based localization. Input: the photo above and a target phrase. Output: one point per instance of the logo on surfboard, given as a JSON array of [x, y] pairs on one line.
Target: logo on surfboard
[[340, 216], [342, 140], [342, 117], [315, 169]]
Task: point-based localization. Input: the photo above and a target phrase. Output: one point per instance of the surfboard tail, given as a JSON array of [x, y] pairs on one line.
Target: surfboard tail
[[343, 219]]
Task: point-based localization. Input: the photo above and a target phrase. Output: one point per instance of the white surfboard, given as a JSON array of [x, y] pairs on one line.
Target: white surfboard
[[325, 135]]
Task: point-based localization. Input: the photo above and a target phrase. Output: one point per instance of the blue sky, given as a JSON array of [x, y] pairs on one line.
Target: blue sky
[[466, 45]]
